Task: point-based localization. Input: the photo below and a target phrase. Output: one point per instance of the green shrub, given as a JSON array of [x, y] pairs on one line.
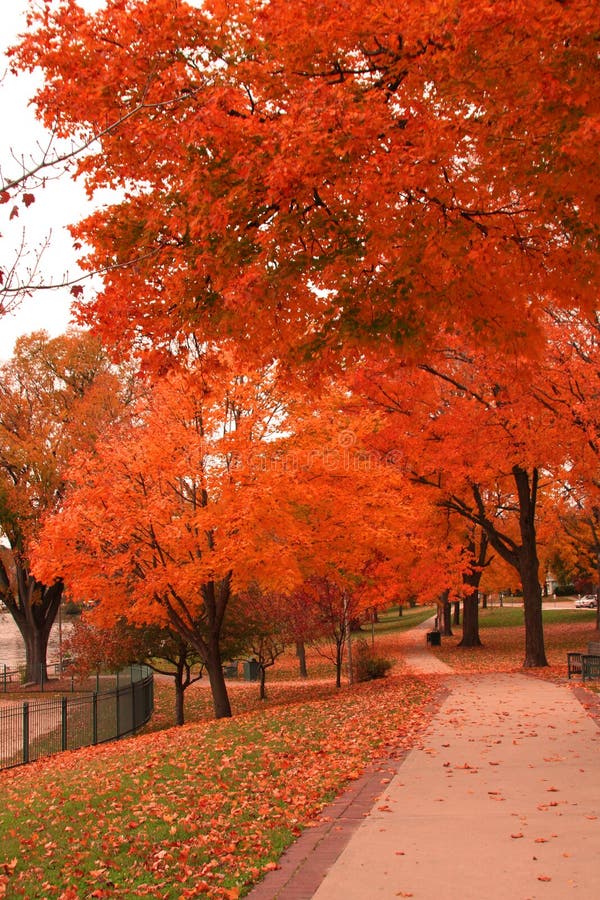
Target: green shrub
[[367, 666]]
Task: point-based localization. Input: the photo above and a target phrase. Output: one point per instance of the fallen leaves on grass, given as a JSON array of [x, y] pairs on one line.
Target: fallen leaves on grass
[[503, 649], [202, 810]]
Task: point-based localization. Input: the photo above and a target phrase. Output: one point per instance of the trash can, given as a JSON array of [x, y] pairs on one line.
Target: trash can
[[434, 638], [251, 670]]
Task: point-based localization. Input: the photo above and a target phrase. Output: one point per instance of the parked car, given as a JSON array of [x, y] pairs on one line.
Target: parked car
[[588, 601]]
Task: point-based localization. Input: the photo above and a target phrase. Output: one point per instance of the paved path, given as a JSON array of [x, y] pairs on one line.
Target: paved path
[[415, 653], [500, 802]]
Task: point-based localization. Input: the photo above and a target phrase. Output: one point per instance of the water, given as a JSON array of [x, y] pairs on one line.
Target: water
[[12, 648]]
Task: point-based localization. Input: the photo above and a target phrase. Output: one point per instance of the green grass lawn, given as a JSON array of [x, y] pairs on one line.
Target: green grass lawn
[[503, 641], [391, 622], [509, 616]]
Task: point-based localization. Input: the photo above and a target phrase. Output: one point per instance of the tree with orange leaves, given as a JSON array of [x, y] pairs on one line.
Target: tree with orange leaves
[[56, 396], [338, 175], [473, 443], [173, 513]]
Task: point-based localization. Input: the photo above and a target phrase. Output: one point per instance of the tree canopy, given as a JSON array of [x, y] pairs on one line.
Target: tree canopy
[[337, 175]]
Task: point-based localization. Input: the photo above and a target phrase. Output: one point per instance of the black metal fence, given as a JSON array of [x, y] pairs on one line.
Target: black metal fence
[[36, 728], [55, 678]]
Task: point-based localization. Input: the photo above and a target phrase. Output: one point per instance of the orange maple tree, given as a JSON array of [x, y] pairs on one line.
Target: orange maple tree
[[56, 396], [478, 440], [219, 487], [337, 175], [176, 511]]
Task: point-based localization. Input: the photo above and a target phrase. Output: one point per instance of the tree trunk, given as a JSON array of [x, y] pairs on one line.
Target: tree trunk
[[262, 692], [339, 656], [471, 579], [36, 650], [523, 557], [301, 654], [34, 611], [535, 653], [529, 570], [456, 616], [470, 636], [214, 666], [215, 597], [446, 616], [179, 697]]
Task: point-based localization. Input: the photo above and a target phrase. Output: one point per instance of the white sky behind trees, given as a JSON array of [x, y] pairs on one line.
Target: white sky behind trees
[[56, 205]]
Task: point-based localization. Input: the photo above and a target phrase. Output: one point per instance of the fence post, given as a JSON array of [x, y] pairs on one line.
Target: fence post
[[94, 718], [63, 717], [25, 731], [133, 717], [118, 698]]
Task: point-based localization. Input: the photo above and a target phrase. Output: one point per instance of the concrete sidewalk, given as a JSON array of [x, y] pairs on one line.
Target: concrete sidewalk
[[415, 654], [501, 800]]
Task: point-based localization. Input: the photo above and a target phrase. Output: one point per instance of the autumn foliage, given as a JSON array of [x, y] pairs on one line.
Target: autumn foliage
[[339, 248], [352, 256], [56, 397], [313, 176]]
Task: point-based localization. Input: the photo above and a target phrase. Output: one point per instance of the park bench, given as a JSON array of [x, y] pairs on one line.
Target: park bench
[[434, 638], [585, 665]]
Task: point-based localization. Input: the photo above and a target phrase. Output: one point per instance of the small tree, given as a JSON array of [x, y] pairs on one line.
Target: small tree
[[334, 607], [267, 627], [93, 648]]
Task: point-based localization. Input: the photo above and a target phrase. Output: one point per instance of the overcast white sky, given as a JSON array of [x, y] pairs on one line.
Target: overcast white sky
[[58, 204]]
